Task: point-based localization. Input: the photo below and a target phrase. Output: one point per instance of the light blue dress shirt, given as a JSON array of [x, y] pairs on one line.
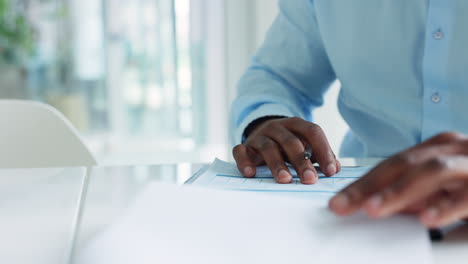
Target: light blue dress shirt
[[403, 66]]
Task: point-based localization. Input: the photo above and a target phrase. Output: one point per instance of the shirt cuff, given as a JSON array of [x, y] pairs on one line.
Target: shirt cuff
[[262, 111]]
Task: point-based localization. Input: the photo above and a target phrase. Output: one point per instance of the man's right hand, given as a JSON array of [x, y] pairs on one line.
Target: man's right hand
[[276, 141]]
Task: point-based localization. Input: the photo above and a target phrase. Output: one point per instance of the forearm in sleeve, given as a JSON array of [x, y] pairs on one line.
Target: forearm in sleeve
[[289, 73]]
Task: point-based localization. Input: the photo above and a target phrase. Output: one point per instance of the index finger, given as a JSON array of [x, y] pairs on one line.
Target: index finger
[[352, 198], [422, 182]]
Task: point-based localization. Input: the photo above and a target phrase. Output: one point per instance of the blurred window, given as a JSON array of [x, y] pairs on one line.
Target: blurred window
[[129, 74]]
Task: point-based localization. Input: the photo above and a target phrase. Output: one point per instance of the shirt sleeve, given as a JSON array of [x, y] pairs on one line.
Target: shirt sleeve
[[288, 74]]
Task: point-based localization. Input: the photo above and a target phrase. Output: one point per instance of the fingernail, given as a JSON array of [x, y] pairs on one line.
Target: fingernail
[[338, 167], [248, 171], [309, 176], [375, 202], [331, 169], [284, 177], [430, 215], [340, 201]]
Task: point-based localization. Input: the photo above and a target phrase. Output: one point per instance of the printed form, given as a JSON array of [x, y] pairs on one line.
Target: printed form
[[225, 175]]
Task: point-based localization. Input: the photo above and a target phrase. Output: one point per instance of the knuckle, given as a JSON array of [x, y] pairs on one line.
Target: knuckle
[[314, 130], [251, 138], [266, 145], [459, 147], [296, 119], [464, 197], [271, 125], [405, 159], [463, 146], [291, 141], [354, 193], [447, 137], [237, 149], [437, 164]]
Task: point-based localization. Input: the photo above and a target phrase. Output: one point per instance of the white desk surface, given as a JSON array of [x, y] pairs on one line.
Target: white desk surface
[[39, 209]]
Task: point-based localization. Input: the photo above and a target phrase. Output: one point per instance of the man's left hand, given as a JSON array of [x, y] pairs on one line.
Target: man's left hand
[[430, 180]]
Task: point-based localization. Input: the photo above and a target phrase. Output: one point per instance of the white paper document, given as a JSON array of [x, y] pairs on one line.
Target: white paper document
[[173, 225], [225, 175]]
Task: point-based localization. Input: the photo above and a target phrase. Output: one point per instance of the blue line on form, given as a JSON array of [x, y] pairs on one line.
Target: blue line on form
[[268, 177]]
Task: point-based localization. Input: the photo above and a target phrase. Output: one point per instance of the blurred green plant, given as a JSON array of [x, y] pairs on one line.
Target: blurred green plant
[[16, 33]]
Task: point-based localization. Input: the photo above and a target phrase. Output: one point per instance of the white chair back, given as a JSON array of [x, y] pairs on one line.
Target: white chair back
[[36, 135]]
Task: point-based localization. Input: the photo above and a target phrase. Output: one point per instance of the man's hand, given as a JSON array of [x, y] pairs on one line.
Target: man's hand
[[276, 141], [430, 180]]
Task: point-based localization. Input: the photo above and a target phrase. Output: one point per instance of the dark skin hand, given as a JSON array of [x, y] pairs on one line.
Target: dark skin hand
[[429, 180], [275, 141]]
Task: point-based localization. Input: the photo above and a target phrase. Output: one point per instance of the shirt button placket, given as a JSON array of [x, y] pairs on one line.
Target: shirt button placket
[[435, 118], [438, 35]]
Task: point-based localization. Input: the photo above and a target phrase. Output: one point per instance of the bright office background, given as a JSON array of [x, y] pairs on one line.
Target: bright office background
[[144, 81]]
